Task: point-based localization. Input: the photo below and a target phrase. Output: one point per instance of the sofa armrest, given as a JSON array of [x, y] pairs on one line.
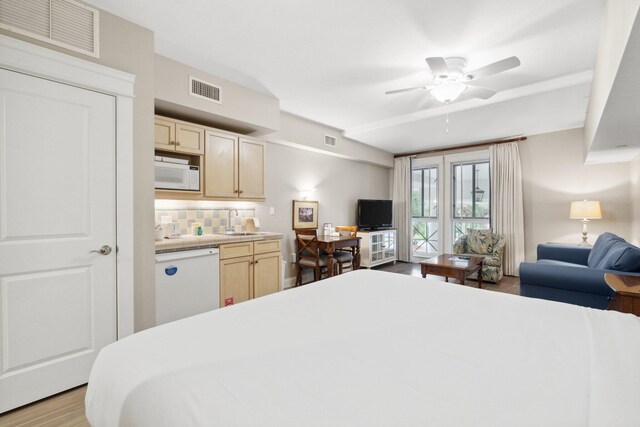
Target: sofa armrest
[[460, 245], [567, 253], [498, 247], [577, 279]]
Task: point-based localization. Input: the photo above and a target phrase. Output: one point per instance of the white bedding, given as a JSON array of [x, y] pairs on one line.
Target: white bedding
[[370, 348]]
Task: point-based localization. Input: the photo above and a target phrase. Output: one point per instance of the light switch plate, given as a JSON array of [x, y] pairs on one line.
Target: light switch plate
[[272, 211]]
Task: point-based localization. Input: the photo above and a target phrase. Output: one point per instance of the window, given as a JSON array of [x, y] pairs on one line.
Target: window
[[424, 210], [471, 196]]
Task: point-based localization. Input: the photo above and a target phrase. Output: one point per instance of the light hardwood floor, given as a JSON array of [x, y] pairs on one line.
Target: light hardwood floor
[[67, 408], [64, 409]]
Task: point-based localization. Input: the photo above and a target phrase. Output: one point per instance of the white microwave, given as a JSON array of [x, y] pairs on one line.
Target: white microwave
[[175, 176]]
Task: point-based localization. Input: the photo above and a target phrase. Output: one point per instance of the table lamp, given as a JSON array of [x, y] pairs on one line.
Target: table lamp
[[585, 210]]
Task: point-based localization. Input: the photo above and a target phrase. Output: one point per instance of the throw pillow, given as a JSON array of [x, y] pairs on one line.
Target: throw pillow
[[600, 249], [623, 256], [479, 241]]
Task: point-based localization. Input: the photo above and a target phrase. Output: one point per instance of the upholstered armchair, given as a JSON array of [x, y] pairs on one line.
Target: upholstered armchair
[[486, 244]]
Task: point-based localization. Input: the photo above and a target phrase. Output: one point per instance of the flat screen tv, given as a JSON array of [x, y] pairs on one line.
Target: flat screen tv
[[374, 214]]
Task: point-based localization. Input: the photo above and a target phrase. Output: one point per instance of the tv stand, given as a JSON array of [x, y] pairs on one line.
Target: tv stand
[[377, 247]]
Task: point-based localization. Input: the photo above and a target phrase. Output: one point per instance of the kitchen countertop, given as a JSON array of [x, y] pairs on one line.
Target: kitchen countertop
[[209, 240]]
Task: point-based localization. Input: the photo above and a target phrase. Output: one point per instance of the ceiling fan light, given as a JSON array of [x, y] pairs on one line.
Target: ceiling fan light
[[448, 92]]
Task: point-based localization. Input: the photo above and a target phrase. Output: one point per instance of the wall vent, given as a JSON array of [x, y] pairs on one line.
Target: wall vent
[[204, 90], [65, 23], [331, 141]]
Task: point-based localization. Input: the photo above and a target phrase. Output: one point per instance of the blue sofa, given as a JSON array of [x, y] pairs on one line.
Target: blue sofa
[[575, 274]]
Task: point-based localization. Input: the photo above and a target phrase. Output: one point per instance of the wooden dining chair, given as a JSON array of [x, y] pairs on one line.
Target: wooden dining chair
[[344, 257], [308, 254]]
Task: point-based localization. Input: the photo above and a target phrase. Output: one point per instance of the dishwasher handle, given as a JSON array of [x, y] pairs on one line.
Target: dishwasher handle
[[175, 256]]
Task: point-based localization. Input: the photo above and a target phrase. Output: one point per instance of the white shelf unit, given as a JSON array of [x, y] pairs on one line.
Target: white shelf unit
[[377, 247]]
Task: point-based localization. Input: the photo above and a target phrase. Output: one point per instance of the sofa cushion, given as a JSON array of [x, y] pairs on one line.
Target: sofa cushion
[[622, 256], [479, 241], [556, 262], [600, 249]]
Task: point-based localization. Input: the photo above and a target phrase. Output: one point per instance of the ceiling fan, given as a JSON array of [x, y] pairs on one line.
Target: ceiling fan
[[451, 79]]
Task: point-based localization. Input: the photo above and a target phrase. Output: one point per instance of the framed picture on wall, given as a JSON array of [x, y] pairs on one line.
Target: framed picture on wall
[[305, 214]]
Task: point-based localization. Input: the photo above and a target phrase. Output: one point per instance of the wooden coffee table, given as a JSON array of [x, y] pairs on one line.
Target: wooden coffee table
[[450, 265]]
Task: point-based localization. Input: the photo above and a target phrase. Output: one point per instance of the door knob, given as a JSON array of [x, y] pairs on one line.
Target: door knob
[[104, 250]]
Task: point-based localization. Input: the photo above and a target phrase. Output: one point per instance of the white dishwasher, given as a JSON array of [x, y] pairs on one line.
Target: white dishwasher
[[187, 283]]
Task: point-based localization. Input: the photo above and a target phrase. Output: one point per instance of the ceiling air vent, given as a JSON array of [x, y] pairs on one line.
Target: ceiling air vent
[[202, 89], [331, 141], [65, 23]]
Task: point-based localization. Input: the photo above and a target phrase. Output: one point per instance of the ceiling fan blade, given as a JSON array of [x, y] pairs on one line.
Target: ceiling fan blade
[[438, 66], [479, 92], [391, 92], [495, 68]]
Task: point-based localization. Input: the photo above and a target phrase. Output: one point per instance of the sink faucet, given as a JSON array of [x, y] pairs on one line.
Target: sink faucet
[[229, 218]]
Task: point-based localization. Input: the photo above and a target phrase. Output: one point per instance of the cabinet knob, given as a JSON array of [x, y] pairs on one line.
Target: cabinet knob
[[177, 142], [235, 191], [172, 143], [240, 192], [255, 262]]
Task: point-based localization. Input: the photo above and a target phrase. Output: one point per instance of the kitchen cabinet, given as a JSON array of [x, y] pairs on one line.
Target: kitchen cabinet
[[249, 270], [177, 136], [233, 167]]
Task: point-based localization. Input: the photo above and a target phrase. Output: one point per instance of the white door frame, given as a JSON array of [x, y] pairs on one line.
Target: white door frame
[[438, 162], [445, 190], [449, 161], [17, 55]]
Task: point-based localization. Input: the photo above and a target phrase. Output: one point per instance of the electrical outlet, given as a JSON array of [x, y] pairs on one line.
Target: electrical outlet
[[292, 258], [272, 211]]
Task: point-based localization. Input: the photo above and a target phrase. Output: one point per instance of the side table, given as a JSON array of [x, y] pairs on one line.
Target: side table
[[627, 288]]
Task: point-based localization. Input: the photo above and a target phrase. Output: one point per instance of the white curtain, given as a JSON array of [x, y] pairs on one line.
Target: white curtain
[[402, 206], [507, 212]]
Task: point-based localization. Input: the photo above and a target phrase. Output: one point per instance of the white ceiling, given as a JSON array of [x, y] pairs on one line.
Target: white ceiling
[[332, 61]]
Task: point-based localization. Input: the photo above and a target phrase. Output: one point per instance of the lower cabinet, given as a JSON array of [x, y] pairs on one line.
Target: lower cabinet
[[249, 270], [377, 247]]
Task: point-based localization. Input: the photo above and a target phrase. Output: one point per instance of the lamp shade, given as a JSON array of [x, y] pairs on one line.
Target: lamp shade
[[585, 209], [448, 91]]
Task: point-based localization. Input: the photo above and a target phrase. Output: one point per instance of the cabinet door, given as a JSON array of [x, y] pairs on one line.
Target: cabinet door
[[390, 245], [189, 139], [251, 169], [236, 277], [266, 274], [165, 134], [220, 169]]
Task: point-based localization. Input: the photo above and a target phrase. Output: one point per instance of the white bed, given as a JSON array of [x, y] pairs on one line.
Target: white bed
[[369, 348]]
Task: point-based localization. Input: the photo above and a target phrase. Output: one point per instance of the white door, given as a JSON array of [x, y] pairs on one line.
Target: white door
[[57, 205]]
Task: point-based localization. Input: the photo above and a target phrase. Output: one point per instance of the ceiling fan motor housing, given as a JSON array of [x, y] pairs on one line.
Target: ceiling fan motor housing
[[456, 66]]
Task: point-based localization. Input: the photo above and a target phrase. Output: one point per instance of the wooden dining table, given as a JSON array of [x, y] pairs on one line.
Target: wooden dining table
[[331, 243]]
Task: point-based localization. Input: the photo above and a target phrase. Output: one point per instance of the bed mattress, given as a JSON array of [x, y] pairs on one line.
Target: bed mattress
[[370, 348]]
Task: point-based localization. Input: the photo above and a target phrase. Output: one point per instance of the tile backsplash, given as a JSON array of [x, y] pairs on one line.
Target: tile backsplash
[[212, 220]]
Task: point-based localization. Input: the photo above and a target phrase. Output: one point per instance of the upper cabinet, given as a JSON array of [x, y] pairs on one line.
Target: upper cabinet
[[172, 135], [233, 167]]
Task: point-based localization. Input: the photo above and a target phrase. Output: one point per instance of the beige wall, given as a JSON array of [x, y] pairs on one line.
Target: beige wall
[[634, 196], [129, 47], [554, 174], [338, 184], [241, 109], [309, 135]]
